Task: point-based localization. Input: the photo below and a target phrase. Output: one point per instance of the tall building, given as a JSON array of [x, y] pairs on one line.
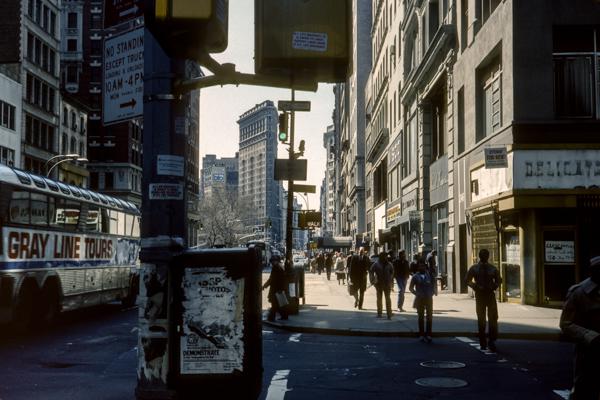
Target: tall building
[[351, 114], [221, 173], [329, 214], [72, 140], [257, 154], [29, 48]]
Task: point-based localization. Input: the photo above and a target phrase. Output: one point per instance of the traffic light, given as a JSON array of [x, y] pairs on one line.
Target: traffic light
[[283, 127], [186, 28]]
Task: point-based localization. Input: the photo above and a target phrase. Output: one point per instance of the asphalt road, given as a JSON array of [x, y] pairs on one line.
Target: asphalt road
[[92, 355]]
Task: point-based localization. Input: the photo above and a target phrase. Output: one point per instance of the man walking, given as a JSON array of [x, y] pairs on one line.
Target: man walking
[[580, 320], [382, 273], [359, 268], [421, 285], [401, 273], [431, 261], [484, 279]]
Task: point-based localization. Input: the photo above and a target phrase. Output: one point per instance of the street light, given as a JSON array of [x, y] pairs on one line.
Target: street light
[[57, 160]]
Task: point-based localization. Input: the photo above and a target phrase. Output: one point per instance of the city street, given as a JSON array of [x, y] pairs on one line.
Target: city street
[[92, 355]]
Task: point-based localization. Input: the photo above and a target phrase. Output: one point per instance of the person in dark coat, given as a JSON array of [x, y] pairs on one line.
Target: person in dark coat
[[276, 283], [484, 279], [382, 277], [580, 321], [328, 265], [320, 263], [421, 285], [359, 268], [401, 274]]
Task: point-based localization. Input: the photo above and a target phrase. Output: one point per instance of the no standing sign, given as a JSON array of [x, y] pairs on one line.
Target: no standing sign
[[123, 77]]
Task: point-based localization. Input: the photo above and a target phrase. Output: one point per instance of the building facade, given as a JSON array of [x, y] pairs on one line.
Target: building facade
[[466, 148], [329, 212], [219, 172], [72, 141], [257, 154], [10, 119]]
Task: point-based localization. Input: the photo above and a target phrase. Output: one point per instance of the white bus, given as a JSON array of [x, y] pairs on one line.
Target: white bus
[[62, 248]]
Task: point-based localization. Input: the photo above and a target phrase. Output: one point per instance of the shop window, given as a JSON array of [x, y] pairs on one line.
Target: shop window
[[511, 265]]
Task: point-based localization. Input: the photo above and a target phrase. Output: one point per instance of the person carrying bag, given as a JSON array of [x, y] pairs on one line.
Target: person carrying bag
[[276, 284]]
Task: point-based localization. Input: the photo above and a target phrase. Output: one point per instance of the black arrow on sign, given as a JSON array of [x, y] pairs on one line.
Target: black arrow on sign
[[131, 103]]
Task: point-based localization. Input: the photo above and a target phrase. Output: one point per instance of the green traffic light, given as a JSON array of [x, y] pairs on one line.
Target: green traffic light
[[283, 136]]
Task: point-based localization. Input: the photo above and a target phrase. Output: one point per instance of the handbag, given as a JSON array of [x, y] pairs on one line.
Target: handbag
[[351, 289], [281, 298]]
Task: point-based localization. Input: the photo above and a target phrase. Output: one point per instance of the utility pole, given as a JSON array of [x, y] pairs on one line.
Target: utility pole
[[290, 194]]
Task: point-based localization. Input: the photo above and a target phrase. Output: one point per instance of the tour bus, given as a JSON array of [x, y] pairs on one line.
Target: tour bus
[[62, 248]]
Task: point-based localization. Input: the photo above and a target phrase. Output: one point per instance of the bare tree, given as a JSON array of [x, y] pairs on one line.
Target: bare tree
[[223, 214]]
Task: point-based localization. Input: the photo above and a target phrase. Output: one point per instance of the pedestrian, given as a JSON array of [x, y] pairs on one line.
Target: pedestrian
[[382, 277], [580, 321], [313, 265], [359, 268], [328, 265], [276, 285], [484, 279], [414, 264], [421, 285], [320, 263], [431, 261], [340, 268], [348, 263], [401, 274]]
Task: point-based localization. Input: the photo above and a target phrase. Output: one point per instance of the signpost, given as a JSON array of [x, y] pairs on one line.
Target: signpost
[[294, 170], [117, 12], [287, 105], [123, 77], [304, 188]]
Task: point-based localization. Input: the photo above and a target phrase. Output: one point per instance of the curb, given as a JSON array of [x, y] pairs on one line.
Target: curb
[[403, 334]]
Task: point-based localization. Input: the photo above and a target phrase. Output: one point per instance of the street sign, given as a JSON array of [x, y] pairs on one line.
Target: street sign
[[285, 105], [309, 219], [495, 157], [123, 77], [304, 188], [286, 169], [118, 11]]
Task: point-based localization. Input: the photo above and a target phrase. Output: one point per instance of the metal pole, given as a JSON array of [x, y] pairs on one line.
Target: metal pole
[[163, 225], [290, 197]]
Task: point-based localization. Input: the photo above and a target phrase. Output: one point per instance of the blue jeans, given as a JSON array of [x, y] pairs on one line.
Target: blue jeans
[[401, 282]]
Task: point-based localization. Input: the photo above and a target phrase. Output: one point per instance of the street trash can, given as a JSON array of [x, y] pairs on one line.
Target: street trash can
[[215, 324]]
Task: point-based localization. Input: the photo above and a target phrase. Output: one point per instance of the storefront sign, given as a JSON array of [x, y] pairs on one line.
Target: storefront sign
[[393, 213], [165, 191], [167, 164], [556, 169], [495, 157], [559, 251], [409, 201], [394, 152], [213, 327]]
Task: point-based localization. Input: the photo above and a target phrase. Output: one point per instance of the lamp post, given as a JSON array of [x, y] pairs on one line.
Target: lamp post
[[57, 160]]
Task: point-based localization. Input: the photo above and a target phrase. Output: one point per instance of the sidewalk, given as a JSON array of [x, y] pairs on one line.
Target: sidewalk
[[330, 310]]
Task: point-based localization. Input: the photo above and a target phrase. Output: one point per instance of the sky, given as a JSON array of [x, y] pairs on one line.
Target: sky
[[220, 107]]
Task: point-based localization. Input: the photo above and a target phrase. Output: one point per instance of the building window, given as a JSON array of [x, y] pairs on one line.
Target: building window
[[72, 20], [490, 99], [73, 146], [438, 124], [460, 122], [7, 156], [7, 115], [576, 86], [485, 8], [409, 148], [108, 180], [71, 45], [65, 144]]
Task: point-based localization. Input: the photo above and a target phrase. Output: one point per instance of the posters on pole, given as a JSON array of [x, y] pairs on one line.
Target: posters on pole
[[213, 325]]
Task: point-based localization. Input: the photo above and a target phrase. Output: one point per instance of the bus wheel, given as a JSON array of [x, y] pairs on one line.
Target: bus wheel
[[23, 311], [49, 306]]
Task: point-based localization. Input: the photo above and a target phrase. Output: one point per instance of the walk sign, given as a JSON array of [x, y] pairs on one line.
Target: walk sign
[[123, 77]]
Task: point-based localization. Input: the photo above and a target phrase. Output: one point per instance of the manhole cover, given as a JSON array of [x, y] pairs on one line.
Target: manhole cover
[[443, 364], [441, 382]]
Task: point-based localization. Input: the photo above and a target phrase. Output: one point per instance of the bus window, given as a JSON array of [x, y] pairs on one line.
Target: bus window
[[92, 223], [113, 222], [105, 220], [67, 214], [39, 209], [136, 227], [19, 207]]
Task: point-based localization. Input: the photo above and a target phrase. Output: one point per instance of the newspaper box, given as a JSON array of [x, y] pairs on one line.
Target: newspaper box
[[216, 331]]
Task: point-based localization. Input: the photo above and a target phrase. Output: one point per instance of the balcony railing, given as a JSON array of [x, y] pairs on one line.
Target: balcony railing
[[376, 142]]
